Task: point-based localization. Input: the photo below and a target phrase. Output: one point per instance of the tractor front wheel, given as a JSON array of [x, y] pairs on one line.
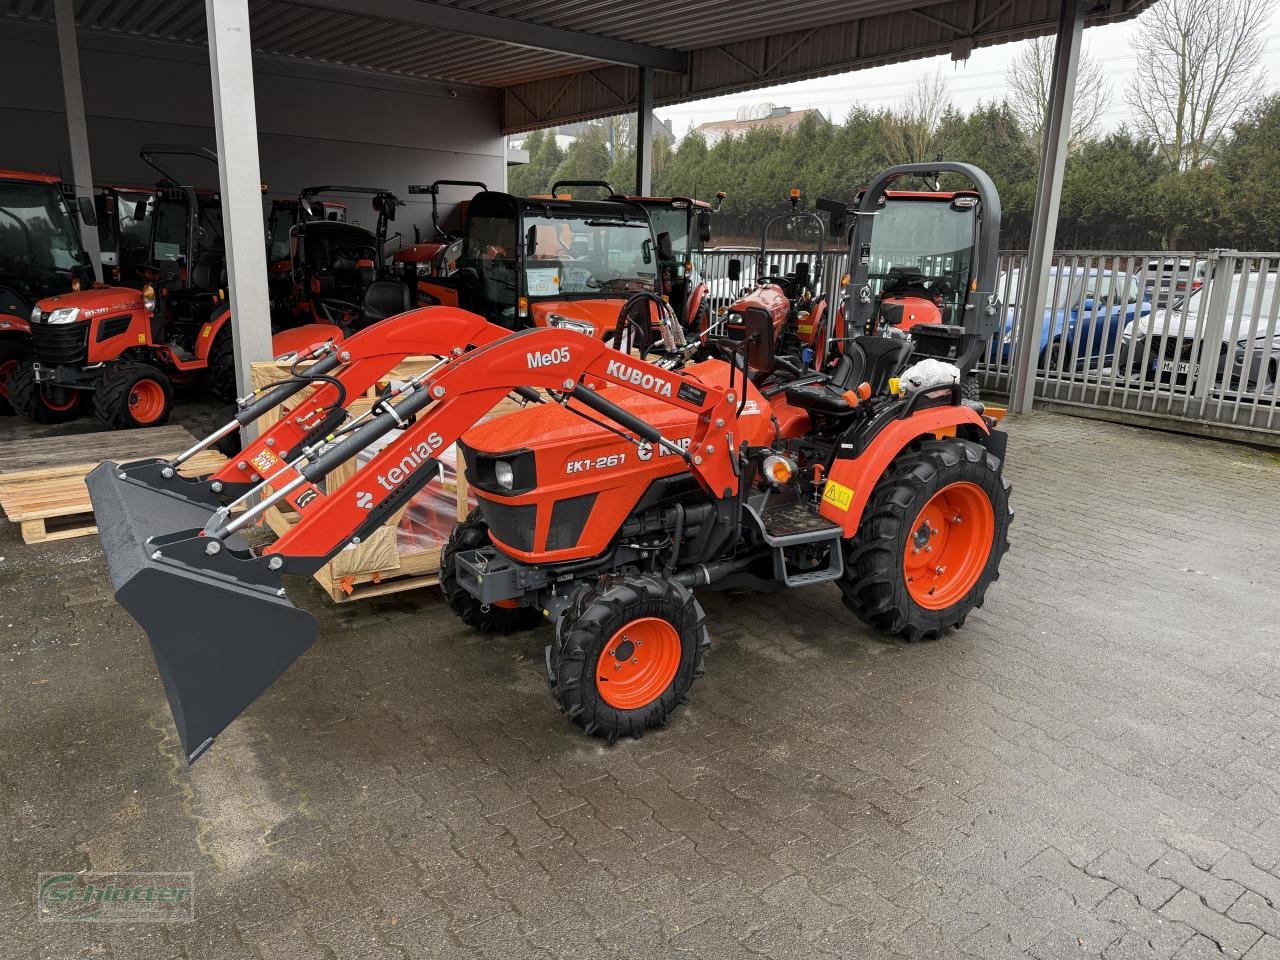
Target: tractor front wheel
[[626, 655], [41, 402], [12, 354], [930, 542], [133, 395], [472, 534]]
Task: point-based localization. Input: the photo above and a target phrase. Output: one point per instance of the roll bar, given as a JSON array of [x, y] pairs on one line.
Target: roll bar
[[979, 310]]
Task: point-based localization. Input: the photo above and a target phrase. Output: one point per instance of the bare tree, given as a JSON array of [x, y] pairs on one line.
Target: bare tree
[[1028, 79], [1199, 68], [910, 130]]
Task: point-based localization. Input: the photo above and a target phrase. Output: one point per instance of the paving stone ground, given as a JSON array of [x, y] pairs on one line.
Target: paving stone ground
[[1090, 768]]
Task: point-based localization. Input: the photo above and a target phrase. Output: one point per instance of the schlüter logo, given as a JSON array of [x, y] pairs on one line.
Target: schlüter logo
[[638, 378], [417, 457], [549, 358]]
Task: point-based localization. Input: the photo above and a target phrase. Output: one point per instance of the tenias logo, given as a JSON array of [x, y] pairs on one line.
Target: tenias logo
[[550, 358], [417, 456], [638, 378]]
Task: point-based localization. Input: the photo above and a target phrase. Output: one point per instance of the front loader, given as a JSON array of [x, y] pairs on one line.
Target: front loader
[[639, 478]]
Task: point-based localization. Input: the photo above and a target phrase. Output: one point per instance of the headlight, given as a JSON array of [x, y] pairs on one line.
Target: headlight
[[64, 315], [504, 474], [567, 323], [149, 297], [35, 315]]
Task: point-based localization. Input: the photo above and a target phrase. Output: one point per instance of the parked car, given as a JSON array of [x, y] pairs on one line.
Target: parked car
[[1164, 347], [1170, 280], [1088, 310]]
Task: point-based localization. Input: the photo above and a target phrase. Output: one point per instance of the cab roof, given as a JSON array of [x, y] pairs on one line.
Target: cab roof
[[494, 200], [29, 177]]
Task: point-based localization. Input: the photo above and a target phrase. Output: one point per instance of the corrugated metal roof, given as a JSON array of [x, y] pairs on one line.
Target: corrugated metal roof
[[733, 44]]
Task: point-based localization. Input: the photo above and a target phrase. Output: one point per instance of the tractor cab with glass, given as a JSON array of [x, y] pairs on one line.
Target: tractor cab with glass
[[41, 255], [687, 223], [550, 262]]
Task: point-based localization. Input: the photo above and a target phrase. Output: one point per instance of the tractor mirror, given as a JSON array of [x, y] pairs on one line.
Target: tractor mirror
[[87, 213], [735, 269], [839, 215], [704, 226], [665, 250], [140, 210]]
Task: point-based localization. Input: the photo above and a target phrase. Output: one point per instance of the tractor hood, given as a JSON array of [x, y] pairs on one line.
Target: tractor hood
[[553, 486], [419, 253], [92, 302], [600, 315]]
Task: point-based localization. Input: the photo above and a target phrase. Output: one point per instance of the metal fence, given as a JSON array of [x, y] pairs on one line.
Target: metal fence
[[1178, 339]]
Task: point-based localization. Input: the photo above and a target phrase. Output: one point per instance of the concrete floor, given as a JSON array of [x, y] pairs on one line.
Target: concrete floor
[[1090, 768]]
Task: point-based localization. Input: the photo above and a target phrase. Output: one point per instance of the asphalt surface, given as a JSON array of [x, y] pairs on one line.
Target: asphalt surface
[[1091, 767]]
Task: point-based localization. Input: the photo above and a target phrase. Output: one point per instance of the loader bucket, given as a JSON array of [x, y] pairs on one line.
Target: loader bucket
[[222, 631]]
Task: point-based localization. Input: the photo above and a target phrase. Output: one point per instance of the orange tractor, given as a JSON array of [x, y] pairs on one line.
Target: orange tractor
[[123, 349], [430, 266], [41, 254], [628, 484]]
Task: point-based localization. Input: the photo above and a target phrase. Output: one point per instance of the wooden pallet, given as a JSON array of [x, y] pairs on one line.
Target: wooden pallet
[[42, 485]]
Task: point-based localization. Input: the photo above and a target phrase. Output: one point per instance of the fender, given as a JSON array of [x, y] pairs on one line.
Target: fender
[[11, 323], [850, 482], [696, 297], [210, 330]]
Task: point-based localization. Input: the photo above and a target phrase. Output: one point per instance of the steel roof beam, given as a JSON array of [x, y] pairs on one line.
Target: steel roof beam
[[520, 33]]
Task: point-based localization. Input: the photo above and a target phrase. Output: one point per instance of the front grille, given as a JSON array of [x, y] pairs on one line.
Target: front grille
[[61, 343], [568, 518], [510, 525]]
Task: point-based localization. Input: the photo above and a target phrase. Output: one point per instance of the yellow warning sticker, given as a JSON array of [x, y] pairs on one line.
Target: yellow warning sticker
[[837, 494], [264, 461]]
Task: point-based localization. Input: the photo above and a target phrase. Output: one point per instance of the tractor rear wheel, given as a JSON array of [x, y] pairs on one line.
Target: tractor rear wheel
[[133, 395], [12, 354], [930, 542], [625, 657], [40, 402], [222, 365], [472, 534]]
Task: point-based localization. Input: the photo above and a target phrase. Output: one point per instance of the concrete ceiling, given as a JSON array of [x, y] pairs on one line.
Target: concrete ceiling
[[561, 60]]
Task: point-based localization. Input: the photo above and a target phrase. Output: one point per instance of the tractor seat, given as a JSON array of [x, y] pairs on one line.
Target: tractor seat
[[886, 356], [385, 298], [827, 396]]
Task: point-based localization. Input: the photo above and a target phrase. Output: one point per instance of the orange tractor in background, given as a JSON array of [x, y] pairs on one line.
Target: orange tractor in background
[[430, 266], [41, 254]]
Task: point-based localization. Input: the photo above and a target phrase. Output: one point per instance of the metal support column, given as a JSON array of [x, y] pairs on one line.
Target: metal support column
[[235, 120], [644, 133], [77, 132], [1034, 297]]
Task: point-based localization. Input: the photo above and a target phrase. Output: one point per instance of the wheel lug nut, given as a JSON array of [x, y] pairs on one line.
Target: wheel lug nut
[[956, 519], [939, 570], [634, 660]]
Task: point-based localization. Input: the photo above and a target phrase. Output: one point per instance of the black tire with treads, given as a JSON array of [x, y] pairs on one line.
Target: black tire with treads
[[13, 353], [111, 399], [969, 388], [28, 398], [222, 365], [472, 534], [874, 584], [591, 621]]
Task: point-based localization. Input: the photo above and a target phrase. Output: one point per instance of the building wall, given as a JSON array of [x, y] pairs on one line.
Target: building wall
[[315, 124]]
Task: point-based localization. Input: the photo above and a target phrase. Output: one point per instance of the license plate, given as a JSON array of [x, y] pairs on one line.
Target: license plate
[[1179, 366]]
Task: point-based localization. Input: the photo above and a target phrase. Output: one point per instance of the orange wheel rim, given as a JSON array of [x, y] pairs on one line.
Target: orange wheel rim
[[638, 663], [52, 401], [6, 369], [146, 401], [948, 546]]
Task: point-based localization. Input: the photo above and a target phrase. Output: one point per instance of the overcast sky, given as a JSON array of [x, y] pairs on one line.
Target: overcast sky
[[980, 78]]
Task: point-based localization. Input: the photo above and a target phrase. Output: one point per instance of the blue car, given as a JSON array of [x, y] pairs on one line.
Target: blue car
[[1089, 311]]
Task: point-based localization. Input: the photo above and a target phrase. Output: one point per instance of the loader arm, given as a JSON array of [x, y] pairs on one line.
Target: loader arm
[[215, 610], [439, 409]]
